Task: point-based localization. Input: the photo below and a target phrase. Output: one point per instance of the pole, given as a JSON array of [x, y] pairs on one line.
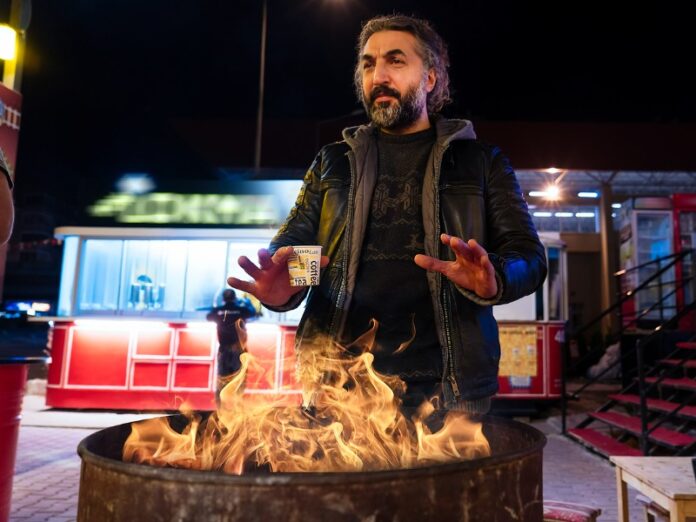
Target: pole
[[262, 72], [608, 257]]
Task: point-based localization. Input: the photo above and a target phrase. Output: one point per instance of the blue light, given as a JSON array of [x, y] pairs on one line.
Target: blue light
[[135, 183]]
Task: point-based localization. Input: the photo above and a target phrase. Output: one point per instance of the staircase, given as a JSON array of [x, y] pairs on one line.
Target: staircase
[[655, 412]]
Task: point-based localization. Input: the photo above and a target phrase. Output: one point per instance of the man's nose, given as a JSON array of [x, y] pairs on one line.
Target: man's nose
[[380, 74]]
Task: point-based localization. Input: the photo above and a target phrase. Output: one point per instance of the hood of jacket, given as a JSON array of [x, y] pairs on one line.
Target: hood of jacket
[[446, 131]]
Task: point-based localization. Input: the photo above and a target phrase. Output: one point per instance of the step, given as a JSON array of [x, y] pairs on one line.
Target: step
[[686, 345], [664, 436], [690, 363], [681, 384], [687, 412], [604, 444]]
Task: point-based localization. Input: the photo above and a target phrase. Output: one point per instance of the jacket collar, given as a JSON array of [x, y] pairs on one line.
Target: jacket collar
[[447, 130]]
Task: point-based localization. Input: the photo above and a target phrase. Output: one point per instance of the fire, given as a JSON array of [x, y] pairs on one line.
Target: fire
[[350, 420]]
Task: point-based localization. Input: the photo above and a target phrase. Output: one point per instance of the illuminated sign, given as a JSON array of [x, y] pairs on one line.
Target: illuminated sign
[[204, 209]]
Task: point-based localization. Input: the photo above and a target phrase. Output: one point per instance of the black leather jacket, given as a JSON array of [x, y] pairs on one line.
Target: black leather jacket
[[469, 191]]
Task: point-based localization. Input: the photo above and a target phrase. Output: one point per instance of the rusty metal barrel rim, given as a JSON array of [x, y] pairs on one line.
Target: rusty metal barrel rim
[[91, 450]]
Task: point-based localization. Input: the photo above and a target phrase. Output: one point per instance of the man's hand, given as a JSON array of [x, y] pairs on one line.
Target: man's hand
[[271, 280], [471, 269]]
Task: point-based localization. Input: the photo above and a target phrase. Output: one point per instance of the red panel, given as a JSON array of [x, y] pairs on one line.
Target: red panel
[[150, 374], [191, 375], [154, 342], [98, 357], [196, 342], [129, 400], [58, 338], [262, 343], [684, 201], [288, 378]]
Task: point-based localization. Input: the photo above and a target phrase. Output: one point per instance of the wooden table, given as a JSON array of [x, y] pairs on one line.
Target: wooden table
[[668, 481]]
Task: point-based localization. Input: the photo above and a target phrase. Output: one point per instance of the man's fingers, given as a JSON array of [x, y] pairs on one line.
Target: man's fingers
[[324, 261], [265, 260], [477, 249], [430, 263], [249, 267], [244, 286], [282, 254], [460, 248]]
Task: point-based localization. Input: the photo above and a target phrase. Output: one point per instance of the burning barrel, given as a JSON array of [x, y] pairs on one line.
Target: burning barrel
[[507, 485]]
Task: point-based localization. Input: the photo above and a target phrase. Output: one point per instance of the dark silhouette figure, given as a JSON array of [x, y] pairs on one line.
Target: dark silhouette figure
[[226, 317]]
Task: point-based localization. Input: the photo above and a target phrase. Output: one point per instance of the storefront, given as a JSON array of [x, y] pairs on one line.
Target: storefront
[[131, 332]]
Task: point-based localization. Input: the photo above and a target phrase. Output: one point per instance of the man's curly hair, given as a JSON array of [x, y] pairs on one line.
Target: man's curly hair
[[431, 48]]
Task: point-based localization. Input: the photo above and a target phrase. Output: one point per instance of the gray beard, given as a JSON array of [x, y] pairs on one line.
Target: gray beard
[[397, 115]]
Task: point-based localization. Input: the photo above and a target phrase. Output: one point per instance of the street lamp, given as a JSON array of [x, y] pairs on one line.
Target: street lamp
[[262, 71], [8, 42], [12, 38]]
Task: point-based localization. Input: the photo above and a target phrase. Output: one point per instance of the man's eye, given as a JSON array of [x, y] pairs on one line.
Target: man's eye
[[367, 65]]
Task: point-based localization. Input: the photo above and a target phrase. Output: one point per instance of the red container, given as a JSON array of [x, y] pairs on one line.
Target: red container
[[13, 376]]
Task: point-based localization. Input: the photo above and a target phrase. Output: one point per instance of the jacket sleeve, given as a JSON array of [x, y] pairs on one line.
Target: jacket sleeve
[[513, 244], [300, 227]]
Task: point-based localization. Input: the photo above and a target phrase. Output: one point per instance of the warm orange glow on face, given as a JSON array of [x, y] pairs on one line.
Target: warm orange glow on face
[[350, 421]]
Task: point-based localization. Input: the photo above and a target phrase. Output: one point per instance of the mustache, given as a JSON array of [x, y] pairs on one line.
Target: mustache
[[383, 90]]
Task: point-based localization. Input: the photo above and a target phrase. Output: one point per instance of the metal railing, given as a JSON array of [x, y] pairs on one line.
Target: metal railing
[[625, 323]]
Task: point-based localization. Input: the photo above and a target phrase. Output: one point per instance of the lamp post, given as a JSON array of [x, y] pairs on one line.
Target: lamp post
[[262, 72]]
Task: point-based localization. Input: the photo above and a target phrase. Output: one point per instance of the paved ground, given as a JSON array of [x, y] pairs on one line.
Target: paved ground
[[48, 468]]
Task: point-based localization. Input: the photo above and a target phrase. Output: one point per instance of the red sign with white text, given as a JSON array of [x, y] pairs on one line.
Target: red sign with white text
[[10, 118]]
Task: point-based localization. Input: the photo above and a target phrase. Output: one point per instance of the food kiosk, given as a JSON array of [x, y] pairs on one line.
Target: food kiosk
[[130, 332]]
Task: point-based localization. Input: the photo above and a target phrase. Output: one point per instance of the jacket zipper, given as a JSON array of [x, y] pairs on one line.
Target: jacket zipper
[[340, 299], [444, 304]]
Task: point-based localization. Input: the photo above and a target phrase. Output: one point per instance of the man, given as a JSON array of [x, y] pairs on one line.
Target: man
[[226, 317], [410, 191], [6, 205]]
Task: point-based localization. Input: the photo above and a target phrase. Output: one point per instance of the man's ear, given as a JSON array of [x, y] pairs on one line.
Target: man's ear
[[431, 80]]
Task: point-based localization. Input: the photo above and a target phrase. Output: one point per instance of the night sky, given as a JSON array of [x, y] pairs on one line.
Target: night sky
[[107, 85]]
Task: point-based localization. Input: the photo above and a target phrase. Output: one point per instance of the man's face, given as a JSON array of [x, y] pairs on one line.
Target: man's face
[[395, 81]]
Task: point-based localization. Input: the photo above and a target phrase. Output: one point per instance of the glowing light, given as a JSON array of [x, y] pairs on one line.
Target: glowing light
[[542, 214], [563, 214], [616, 205], [200, 326], [135, 183], [208, 209], [121, 325], [41, 307], [8, 42], [553, 170], [592, 195], [553, 192], [584, 214]]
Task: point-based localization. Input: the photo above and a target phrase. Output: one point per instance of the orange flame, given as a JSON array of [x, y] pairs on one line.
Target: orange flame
[[350, 420]]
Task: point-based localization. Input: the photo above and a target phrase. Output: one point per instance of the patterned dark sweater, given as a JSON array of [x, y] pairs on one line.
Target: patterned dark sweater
[[390, 287]]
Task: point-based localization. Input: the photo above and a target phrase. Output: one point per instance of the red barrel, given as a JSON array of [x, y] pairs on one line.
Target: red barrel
[[13, 376]]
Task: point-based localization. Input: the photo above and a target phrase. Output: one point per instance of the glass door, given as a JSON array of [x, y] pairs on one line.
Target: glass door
[[653, 240], [687, 238]]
